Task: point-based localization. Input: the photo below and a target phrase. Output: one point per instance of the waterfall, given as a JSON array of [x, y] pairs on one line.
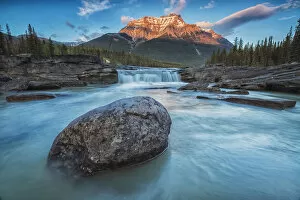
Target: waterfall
[[149, 75]]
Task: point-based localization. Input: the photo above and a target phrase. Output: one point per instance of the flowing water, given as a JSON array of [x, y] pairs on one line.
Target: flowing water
[[218, 150], [148, 75]]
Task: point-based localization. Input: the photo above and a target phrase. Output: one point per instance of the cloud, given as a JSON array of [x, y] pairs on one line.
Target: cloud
[[95, 35], [70, 25], [86, 37], [91, 6], [287, 18], [83, 28], [290, 4], [104, 27], [205, 24], [227, 25], [126, 19], [210, 4], [175, 6]]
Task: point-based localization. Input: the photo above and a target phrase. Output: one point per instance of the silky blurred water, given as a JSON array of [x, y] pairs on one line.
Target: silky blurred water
[[218, 150]]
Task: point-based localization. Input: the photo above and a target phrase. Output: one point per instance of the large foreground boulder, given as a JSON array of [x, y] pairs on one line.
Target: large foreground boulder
[[123, 133]]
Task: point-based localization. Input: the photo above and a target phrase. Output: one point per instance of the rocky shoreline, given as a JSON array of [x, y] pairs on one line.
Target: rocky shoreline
[[18, 73], [282, 78]]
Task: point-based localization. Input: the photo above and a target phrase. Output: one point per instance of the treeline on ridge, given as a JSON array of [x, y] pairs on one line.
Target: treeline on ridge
[[265, 53], [30, 43]]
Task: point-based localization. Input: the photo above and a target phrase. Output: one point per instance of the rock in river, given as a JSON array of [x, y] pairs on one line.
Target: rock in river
[[279, 104], [267, 103], [29, 97], [124, 133]]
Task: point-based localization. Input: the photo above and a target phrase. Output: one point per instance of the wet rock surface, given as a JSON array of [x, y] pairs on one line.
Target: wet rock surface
[[267, 103], [124, 133], [279, 104], [29, 73], [29, 97], [204, 87], [282, 78]]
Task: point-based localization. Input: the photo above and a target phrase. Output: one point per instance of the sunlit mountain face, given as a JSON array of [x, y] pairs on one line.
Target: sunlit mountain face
[[171, 26]]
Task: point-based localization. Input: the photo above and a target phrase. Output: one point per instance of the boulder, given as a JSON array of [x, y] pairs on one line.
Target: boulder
[[124, 133], [29, 97], [194, 86], [202, 87]]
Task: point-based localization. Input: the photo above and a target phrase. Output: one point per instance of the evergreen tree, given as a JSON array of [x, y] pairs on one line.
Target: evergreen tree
[[30, 39], [295, 46], [2, 43], [51, 48], [22, 45], [63, 49], [9, 41], [287, 47], [37, 46]]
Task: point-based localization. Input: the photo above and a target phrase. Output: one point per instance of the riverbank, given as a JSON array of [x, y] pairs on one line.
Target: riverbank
[[29, 73], [282, 78]]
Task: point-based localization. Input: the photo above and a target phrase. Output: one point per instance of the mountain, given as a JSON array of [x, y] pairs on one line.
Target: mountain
[[171, 26], [113, 42], [166, 38]]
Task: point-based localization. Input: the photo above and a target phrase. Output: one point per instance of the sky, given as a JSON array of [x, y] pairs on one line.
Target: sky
[[82, 20]]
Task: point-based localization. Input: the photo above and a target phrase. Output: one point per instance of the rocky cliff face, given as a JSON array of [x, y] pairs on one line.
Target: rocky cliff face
[[172, 26], [282, 78], [28, 73]]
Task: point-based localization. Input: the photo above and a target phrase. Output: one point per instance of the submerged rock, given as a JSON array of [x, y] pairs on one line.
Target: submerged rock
[[172, 92], [202, 97], [267, 103], [29, 97], [280, 104], [123, 133], [239, 92]]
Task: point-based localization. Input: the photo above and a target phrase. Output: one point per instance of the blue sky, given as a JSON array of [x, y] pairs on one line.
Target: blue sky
[[71, 20]]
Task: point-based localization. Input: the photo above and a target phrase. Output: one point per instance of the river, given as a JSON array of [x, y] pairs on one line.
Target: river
[[217, 150]]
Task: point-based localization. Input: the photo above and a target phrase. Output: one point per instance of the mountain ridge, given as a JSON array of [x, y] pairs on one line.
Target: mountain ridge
[[171, 26]]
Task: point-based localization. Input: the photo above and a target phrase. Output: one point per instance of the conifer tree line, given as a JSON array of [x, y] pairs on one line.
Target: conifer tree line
[[30, 43], [266, 52]]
